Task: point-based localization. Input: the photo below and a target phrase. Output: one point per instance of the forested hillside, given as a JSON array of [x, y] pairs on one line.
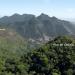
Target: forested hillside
[[57, 57], [30, 45], [37, 37]]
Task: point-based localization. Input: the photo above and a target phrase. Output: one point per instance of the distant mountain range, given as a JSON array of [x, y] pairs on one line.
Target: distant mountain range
[[37, 28]]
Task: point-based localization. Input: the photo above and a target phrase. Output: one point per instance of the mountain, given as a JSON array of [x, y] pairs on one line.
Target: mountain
[[40, 28], [55, 27], [23, 50]]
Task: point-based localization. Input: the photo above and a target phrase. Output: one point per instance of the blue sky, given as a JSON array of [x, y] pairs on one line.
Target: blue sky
[[58, 8]]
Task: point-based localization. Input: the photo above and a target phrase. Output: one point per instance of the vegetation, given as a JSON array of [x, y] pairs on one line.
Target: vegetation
[[50, 59]]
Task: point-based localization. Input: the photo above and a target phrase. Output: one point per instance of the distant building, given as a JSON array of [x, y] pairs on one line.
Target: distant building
[[2, 29]]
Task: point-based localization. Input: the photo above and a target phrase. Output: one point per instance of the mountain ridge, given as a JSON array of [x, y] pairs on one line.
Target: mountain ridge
[[41, 27]]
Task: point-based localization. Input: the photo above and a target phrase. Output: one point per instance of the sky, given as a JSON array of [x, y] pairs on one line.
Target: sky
[[58, 8]]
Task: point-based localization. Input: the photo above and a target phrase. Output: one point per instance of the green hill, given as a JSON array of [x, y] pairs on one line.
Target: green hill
[[57, 57], [11, 43], [52, 59]]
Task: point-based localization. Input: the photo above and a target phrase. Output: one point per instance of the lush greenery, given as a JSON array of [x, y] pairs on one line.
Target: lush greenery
[[49, 59], [21, 52]]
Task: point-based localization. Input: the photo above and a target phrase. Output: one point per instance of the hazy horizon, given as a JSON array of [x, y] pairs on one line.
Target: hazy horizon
[[62, 9]]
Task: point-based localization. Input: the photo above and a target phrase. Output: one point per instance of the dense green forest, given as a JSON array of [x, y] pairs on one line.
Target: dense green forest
[[50, 59]]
